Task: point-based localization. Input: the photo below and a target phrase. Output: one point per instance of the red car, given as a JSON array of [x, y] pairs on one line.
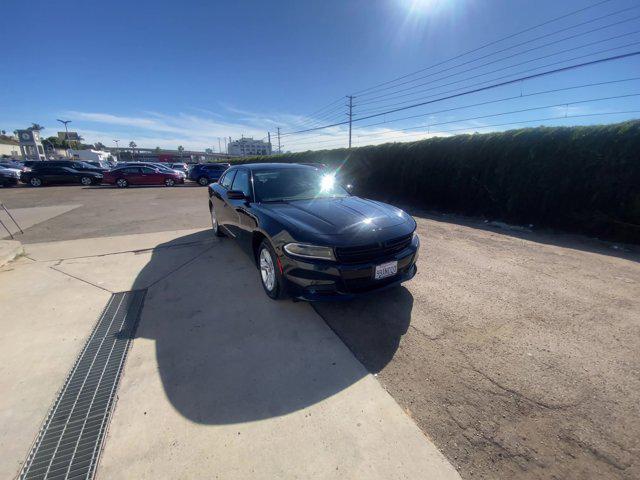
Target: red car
[[143, 175]]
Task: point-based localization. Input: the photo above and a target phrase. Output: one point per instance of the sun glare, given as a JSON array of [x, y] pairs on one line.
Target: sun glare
[[327, 182], [423, 7]]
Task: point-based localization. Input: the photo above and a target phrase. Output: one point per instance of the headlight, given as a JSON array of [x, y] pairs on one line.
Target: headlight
[[415, 240], [309, 251]]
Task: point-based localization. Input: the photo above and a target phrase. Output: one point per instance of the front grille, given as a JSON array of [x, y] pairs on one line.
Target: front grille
[[371, 252]]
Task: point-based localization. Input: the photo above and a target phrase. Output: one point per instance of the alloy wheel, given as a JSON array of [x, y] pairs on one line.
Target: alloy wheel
[[267, 270], [214, 220], [85, 181], [204, 181], [169, 182], [35, 182]]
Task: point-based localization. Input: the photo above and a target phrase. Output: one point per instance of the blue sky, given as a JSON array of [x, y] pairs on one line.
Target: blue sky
[[185, 73]]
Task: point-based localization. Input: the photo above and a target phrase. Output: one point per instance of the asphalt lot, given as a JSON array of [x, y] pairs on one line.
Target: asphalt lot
[[516, 354]]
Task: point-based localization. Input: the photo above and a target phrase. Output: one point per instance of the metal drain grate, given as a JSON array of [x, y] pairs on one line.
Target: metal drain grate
[[70, 440]]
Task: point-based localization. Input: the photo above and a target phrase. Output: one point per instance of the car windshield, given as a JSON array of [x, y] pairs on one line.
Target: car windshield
[[284, 184]]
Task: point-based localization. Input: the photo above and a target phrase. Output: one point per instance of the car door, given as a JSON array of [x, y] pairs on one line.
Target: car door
[[69, 175], [133, 175], [149, 176], [46, 174], [240, 221], [220, 201]]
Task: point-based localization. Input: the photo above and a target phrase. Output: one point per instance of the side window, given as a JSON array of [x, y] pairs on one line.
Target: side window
[[227, 180], [131, 170], [148, 170], [241, 182]]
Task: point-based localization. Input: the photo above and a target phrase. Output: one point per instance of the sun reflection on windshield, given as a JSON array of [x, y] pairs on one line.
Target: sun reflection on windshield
[[327, 182]]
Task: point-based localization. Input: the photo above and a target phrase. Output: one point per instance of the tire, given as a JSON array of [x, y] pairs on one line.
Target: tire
[[169, 182], [204, 181], [86, 181], [217, 231], [270, 275], [35, 182], [122, 183]]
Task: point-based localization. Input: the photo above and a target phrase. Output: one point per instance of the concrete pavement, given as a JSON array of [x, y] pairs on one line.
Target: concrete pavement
[[221, 382]]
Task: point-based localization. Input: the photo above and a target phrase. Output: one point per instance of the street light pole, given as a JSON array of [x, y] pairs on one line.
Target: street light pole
[[66, 134]]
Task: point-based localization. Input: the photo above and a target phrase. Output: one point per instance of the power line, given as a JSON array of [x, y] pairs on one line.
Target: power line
[[553, 20], [523, 110], [505, 76], [514, 97], [480, 89], [479, 117], [489, 102], [478, 127], [570, 37], [382, 97]]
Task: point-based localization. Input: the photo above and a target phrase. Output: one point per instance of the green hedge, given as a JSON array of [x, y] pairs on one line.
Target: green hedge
[[581, 179]]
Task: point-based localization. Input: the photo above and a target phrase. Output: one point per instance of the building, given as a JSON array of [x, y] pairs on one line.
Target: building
[[9, 147], [31, 145], [71, 136], [248, 147]]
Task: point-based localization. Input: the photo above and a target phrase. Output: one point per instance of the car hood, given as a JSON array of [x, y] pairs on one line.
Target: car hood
[[338, 217]]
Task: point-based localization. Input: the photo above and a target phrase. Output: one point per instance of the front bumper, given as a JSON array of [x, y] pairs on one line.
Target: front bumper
[[317, 280]]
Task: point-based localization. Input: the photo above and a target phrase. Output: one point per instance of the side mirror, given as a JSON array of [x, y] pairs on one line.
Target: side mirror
[[236, 195]]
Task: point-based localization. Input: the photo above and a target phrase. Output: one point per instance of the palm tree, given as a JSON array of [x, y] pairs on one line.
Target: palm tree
[[180, 150], [132, 146], [36, 127]]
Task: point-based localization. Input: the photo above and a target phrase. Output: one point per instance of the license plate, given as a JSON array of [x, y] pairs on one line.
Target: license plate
[[386, 270]]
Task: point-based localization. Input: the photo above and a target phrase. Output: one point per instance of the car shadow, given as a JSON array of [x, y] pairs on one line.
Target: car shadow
[[226, 353]]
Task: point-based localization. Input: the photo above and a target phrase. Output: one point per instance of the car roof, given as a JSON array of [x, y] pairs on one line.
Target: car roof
[[272, 166]]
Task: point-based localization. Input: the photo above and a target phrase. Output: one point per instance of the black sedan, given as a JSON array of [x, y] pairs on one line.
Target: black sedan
[[8, 178], [59, 175], [308, 236]]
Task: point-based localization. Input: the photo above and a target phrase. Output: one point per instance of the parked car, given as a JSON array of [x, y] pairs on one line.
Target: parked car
[[182, 167], [8, 177], [141, 175], [48, 175], [14, 165], [161, 166], [205, 173], [74, 164], [309, 237], [104, 165]]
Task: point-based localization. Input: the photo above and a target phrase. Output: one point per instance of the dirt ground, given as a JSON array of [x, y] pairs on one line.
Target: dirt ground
[[517, 353], [519, 358]]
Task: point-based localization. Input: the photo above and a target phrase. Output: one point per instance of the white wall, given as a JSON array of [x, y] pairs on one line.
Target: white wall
[[11, 150]]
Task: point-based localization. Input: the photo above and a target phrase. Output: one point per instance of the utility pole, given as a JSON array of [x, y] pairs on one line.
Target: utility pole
[[269, 137], [117, 147], [350, 97], [279, 146], [219, 146], [66, 132]]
